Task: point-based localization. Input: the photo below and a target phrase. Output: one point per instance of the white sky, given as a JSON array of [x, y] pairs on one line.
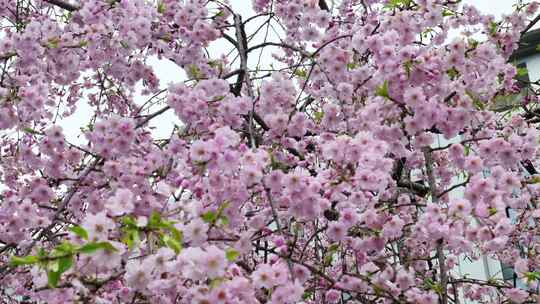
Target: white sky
[[494, 7]]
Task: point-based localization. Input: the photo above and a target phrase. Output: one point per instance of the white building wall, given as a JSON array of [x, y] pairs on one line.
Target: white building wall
[[533, 66], [485, 267], [481, 268]]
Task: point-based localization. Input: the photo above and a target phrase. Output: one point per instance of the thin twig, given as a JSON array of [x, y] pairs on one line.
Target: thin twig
[[454, 187], [243, 76], [278, 225]]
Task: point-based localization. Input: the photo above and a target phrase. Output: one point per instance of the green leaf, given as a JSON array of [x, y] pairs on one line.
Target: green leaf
[[478, 104], [30, 130], [53, 265], [129, 221], [307, 295], [209, 216], [426, 32], [224, 220], [193, 71], [377, 290], [408, 66], [532, 276], [52, 43], [154, 220], [63, 249], [328, 259], [493, 28], [169, 226], [55, 269], [382, 90], [534, 180], [67, 16], [94, 246], [64, 263], [432, 285], [437, 288], [231, 254], [172, 243], [215, 282], [333, 248], [300, 73], [447, 13], [492, 211], [452, 73], [52, 278], [393, 4], [161, 7], [467, 150], [80, 232], [218, 98], [473, 43], [216, 64], [131, 237], [522, 72], [223, 206], [318, 116], [26, 260], [41, 254], [166, 37]]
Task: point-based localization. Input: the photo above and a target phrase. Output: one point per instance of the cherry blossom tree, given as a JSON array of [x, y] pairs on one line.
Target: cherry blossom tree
[[356, 153]]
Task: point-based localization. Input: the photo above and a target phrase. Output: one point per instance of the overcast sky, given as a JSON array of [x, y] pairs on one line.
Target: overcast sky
[[494, 7]]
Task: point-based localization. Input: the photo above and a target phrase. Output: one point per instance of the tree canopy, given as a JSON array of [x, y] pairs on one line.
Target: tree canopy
[[352, 151]]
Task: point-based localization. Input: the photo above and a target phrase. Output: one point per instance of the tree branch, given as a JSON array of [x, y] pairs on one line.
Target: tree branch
[[454, 187], [243, 76], [435, 199], [241, 45], [323, 5], [283, 45], [63, 4], [530, 25], [151, 116], [278, 225]]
